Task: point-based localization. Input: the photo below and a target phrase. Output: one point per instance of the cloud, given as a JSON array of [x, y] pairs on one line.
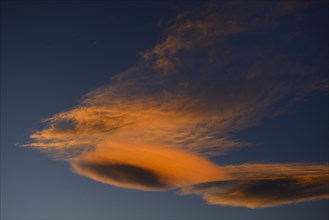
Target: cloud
[[139, 120], [226, 82], [261, 193], [256, 186], [145, 166], [209, 25], [217, 70]]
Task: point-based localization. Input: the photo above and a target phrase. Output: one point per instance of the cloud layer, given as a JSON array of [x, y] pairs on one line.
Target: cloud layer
[[266, 185], [204, 82], [145, 166], [157, 123]]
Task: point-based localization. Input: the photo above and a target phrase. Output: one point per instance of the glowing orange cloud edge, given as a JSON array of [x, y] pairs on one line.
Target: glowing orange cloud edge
[[175, 168]]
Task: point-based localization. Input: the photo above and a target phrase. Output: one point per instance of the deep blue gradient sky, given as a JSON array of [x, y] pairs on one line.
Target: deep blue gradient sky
[[54, 52]]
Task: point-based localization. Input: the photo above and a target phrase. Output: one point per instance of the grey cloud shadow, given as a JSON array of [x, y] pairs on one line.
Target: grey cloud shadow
[[64, 125], [126, 173], [283, 188]]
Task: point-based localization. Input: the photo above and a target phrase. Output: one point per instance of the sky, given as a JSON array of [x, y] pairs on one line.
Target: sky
[[164, 110]]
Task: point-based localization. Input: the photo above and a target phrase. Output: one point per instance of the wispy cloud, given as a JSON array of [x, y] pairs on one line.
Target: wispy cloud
[[209, 25], [215, 93], [205, 81]]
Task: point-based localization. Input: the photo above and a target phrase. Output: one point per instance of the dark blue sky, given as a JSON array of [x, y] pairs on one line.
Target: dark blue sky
[[54, 52]]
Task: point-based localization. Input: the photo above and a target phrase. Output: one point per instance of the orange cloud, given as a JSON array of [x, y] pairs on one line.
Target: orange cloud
[[266, 185], [145, 166], [171, 120], [205, 101], [153, 125]]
